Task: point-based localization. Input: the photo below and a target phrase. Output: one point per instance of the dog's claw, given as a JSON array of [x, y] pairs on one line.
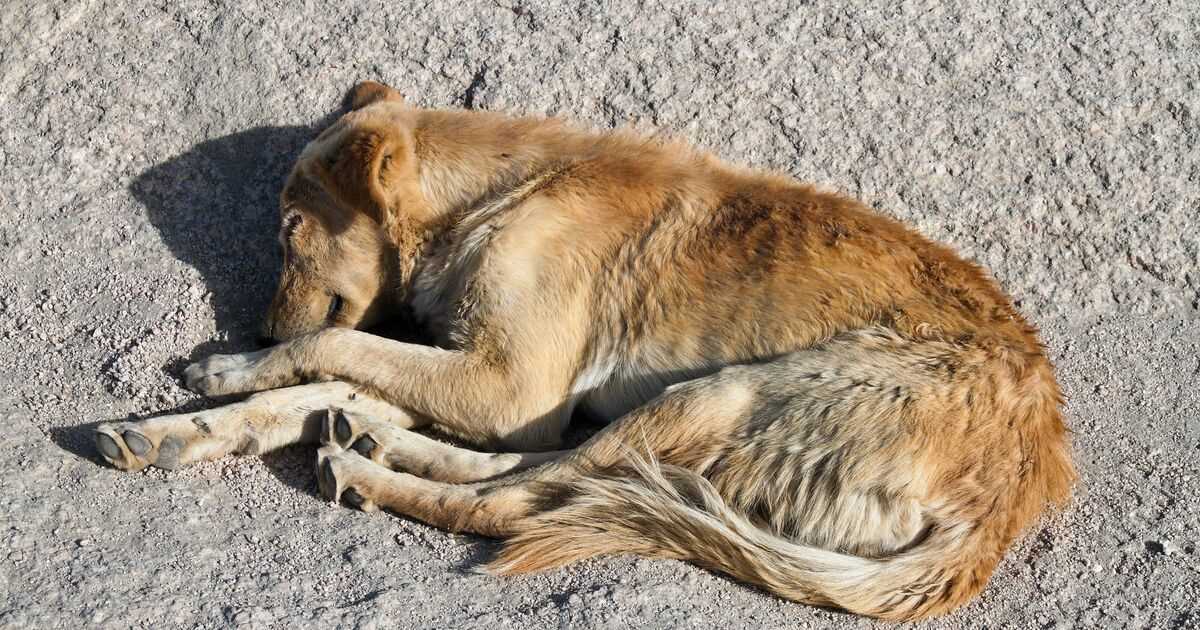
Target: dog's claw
[[137, 442], [352, 497], [364, 446], [341, 427], [107, 446]]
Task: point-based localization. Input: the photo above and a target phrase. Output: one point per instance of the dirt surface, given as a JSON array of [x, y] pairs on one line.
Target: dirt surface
[[143, 147]]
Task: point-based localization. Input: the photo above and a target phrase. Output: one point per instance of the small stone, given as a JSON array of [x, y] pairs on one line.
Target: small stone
[[83, 542]]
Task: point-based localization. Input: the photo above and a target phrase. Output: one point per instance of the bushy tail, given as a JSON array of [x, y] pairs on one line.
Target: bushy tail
[[668, 512]]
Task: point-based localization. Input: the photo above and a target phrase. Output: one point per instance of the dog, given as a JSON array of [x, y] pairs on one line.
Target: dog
[[800, 393]]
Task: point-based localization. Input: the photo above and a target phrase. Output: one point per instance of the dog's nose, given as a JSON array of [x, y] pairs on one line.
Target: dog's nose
[[265, 341]]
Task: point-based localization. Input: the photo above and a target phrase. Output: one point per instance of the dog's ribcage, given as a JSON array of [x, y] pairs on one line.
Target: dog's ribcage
[[615, 376]]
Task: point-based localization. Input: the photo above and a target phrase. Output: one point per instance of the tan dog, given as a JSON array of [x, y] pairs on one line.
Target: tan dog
[[804, 394]]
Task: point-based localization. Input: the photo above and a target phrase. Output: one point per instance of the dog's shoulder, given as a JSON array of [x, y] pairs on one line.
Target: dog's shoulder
[[459, 260]]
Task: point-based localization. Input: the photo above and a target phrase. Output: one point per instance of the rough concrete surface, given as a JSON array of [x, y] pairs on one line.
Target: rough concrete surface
[[143, 145]]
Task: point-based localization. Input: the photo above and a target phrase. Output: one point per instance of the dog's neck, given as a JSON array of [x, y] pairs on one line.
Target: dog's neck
[[468, 157], [470, 164]]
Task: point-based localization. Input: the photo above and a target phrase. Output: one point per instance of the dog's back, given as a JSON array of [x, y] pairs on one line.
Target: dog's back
[[676, 264]]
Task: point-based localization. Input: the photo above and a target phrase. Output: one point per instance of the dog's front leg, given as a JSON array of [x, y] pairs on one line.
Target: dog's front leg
[[246, 372], [256, 425], [486, 401], [359, 357]]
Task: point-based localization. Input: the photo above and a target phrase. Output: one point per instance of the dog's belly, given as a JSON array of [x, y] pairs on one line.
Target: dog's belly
[[608, 391], [616, 398]]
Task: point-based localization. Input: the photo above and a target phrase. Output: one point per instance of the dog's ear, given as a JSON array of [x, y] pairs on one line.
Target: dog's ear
[[372, 169], [369, 92], [351, 171]]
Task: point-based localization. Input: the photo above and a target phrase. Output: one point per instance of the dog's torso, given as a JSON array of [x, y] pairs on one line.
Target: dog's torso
[[682, 266]]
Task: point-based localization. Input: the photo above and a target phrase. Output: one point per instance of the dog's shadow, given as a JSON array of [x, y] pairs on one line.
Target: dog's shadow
[[215, 206]]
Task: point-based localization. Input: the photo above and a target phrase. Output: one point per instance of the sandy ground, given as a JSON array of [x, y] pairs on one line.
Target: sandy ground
[[142, 149]]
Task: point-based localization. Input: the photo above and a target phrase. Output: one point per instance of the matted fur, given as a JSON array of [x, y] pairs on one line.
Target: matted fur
[[802, 393]]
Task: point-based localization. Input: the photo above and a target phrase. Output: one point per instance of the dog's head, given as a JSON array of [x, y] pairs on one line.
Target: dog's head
[[351, 218]]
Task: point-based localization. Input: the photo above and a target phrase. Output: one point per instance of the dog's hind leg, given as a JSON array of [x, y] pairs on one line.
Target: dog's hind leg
[[485, 508], [688, 426], [397, 448], [261, 423]]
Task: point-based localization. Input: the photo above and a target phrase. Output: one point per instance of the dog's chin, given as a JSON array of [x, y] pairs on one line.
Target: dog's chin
[[266, 341]]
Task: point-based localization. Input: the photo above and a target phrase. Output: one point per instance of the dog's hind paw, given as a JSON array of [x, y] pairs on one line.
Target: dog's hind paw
[[342, 475], [345, 430]]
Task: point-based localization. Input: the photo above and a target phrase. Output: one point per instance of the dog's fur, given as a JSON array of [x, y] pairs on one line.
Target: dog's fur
[[804, 394]]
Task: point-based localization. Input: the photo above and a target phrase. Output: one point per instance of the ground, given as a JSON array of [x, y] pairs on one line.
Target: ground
[[143, 146]]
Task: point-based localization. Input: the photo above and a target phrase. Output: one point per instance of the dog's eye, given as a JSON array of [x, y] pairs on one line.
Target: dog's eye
[[291, 224], [335, 305]]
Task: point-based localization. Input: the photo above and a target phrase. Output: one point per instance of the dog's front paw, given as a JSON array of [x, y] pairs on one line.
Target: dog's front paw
[[135, 445], [224, 374]]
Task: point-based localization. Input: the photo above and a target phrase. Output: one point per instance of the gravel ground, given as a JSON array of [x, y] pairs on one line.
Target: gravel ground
[[143, 147]]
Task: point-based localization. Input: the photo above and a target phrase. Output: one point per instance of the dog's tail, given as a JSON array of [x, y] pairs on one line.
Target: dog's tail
[[668, 512]]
